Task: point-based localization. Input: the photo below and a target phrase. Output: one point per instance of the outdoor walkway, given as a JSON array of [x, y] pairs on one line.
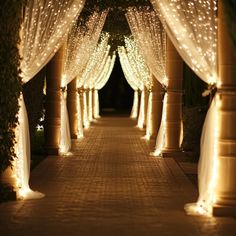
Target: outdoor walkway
[[110, 186]]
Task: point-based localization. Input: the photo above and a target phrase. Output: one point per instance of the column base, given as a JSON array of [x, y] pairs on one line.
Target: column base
[[172, 152], [224, 210], [74, 136], [52, 151]]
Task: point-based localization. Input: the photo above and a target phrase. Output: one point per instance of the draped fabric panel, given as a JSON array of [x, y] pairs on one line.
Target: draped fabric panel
[[101, 81], [106, 72], [44, 29], [150, 37], [192, 27], [80, 45], [135, 79], [140, 67]]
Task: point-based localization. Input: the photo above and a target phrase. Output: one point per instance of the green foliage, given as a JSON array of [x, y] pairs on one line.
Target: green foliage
[[229, 7], [10, 81]]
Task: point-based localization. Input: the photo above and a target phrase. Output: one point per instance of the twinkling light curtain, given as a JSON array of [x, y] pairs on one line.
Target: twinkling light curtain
[[89, 75], [131, 78], [44, 29], [96, 62], [102, 80], [82, 41], [134, 84], [135, 80], [150, 36], [93, 70], [192, 27], [137, 61]]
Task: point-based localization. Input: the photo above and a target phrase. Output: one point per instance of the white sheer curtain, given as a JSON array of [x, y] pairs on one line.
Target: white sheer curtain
[[80, 45], [134, 84], [90, 74], [94, 69], [191, 26], [134, 78], [102, 80], [150, 37], [44, 28], [142, 69]]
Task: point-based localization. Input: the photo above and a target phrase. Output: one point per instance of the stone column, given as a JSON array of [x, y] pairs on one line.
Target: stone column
[[72, 108], [54, 71], [174, 70], [157, 101], [225, 184]]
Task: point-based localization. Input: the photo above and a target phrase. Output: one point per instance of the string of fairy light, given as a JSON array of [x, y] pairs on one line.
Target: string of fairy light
[[137, 62], [43, 30], [80, 45], [129, 72], [95, 62], [45, 27], [150, 37], [192, 27], [105, 73]]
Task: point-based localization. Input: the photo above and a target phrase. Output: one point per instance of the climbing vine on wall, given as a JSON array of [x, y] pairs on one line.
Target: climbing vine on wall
[[10, 81]]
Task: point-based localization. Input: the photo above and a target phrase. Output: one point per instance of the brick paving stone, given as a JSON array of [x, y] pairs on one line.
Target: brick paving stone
[[110, 186]]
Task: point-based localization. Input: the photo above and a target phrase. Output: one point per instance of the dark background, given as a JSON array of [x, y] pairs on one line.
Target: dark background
[[116, 96]]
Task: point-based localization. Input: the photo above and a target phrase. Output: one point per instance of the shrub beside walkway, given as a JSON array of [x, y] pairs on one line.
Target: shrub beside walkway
[[109, 186]]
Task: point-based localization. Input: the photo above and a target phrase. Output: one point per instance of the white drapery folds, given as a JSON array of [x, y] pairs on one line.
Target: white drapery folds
[[150, 37], [80, 45], [141, 70], [102, 80], [134, 79], [192, 28], [90, 75], [134, 83], [93, 69], [44, 28]]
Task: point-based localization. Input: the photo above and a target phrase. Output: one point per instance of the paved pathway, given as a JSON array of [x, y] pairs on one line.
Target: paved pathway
[[110, 186]]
